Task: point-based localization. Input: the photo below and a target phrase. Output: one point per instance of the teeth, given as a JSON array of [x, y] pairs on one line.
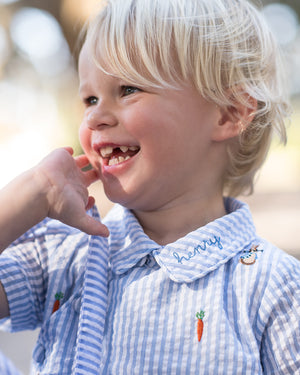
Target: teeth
[[124, 148], [120, 159], [106, 151], [113, 161]]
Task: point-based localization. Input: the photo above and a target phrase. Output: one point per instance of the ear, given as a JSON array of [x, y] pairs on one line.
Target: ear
[[234, 119]]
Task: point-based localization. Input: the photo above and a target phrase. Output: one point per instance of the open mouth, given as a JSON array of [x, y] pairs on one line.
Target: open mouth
[[116, 155]]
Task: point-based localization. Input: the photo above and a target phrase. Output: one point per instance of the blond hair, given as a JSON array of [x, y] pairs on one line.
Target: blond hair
[[220, 46]]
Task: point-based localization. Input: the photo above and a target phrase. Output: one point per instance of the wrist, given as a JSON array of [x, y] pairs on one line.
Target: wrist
[[39, 189], [23, 205]]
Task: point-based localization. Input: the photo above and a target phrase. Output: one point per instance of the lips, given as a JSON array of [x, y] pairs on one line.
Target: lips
[[113, 155]]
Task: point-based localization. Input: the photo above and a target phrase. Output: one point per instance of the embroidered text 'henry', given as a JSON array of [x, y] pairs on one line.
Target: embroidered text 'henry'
[[215, 241]]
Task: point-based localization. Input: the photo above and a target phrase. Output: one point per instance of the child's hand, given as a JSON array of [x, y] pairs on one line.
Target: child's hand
[[65, 186]]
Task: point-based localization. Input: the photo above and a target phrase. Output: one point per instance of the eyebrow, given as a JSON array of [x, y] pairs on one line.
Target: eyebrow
[[81, 88]]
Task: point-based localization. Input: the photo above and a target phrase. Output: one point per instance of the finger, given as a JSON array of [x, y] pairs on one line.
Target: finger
[[81, 161], [93, 227], [90, 204], [90, 177], [69, 149]]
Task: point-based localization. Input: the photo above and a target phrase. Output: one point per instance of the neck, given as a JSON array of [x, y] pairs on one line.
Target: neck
[[168, 224]]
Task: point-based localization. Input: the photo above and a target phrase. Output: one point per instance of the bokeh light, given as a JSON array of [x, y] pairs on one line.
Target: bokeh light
[[38, 36], [283, 21]]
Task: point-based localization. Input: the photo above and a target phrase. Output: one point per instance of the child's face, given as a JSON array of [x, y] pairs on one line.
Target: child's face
[[151, 147]]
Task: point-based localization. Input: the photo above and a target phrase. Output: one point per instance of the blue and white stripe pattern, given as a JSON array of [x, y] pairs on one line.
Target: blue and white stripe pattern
[[93, 310], [130, 305], [252, 313], [49, 259]]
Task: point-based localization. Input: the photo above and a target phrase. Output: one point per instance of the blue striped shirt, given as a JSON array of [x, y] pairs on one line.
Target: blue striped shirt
[[221, 300]]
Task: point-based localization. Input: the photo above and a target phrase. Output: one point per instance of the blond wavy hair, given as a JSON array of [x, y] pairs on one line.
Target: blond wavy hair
[[223, 47]]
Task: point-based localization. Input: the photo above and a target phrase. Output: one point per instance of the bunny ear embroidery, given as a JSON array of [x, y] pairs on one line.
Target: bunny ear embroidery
[[249, 257]]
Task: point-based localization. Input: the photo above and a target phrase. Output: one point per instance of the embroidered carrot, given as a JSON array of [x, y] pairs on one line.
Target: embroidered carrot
[[200, 324], [58, 297]]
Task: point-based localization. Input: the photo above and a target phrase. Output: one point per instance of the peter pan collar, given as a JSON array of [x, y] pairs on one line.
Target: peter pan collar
[[189, 258]]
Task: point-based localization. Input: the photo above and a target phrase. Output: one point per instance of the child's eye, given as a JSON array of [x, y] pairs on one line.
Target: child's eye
[[128, 90], [91, 100]]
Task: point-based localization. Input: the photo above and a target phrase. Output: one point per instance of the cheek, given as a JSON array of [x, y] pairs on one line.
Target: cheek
[[84, 138]]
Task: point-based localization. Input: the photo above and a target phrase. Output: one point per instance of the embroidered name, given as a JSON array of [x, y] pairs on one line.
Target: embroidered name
[[216, 241]]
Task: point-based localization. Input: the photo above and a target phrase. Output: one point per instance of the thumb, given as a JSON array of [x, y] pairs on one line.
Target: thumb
[[92, 226]]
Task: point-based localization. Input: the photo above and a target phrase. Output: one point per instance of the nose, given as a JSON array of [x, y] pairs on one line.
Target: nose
[[100, 115]]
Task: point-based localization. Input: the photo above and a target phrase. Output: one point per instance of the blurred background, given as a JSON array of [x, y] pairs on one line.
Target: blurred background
[[40, 110]]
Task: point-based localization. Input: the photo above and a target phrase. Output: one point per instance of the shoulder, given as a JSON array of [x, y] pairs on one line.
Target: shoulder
[[284, 272], [50, 233], [281, 264], [267, 261], [46, 245], [274, 279], [47, 227], [267, 275], [278, 318]]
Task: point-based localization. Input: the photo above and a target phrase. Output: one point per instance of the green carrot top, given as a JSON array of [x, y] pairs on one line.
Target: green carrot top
[[59, 296], [200, 315]]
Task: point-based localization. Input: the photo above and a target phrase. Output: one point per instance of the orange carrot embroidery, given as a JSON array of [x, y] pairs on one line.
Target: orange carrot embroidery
[[58, 297], [200, 324]]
